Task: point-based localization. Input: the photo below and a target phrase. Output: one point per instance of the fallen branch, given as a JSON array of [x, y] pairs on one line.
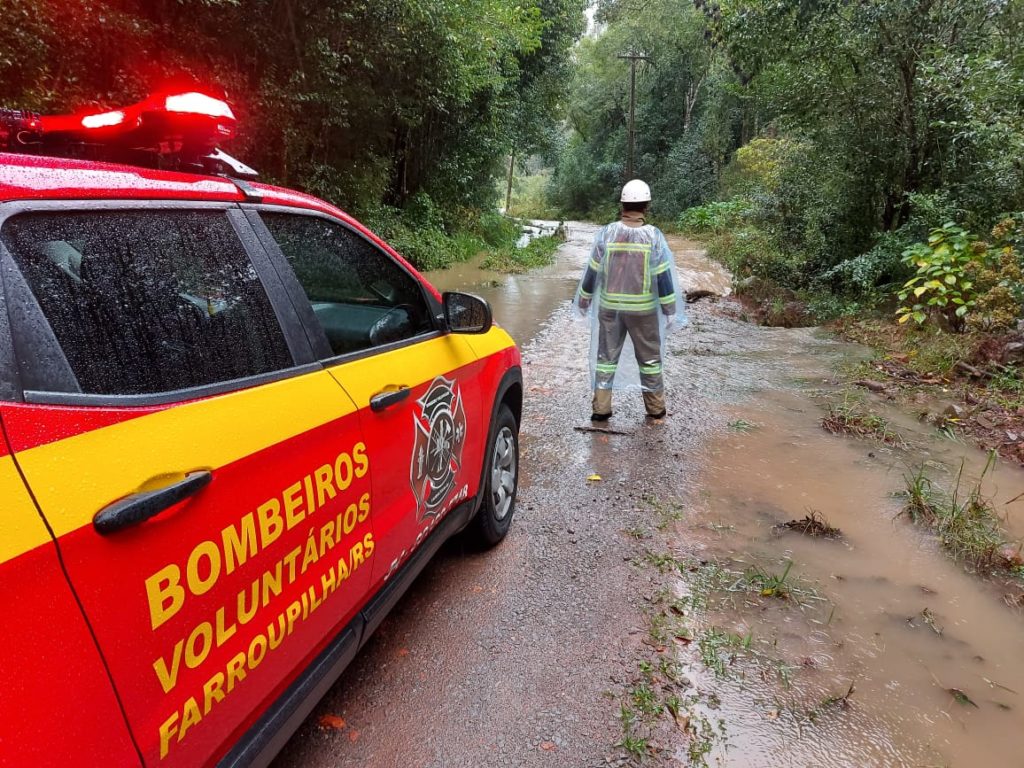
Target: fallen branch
[[971, 371], [874, 386], [602, 430]]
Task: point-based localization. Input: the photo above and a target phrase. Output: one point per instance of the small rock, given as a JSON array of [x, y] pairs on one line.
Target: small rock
[[1013, 352], [1010, 554], [985, 420]]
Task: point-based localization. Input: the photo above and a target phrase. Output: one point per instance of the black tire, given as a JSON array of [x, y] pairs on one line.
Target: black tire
[[498, 505]]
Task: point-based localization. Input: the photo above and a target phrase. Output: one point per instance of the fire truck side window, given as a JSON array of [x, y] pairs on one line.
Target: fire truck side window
[[361, 297], [148, 301]]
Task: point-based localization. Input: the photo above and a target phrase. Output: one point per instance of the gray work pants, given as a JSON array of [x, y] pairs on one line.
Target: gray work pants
[[644, 331]]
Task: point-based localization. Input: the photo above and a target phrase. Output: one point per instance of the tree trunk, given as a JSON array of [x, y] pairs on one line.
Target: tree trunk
[[511, 174], [692, 92]]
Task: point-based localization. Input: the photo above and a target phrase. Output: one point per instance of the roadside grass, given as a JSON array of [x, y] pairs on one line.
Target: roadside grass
[[718, 647], [769, 584], [742, 425], [635, 532], [853, 417], [689, 630], [1008, 390], [666, 512], [659, 702], [964, 519], [538, 253], [922, 365], [924, 351]]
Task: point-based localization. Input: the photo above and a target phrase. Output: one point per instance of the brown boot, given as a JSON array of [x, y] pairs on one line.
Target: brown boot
[[601, 409], [654, 403]]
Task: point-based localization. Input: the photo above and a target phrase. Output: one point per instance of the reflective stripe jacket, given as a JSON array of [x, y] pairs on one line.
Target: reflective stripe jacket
[[630, 267]]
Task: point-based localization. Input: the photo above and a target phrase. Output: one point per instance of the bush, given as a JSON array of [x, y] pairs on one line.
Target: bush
[[420, 233], [864, 275], [943, 284], [758, 165], [715, 217], [496, 230], [751, 252], [964, 281]]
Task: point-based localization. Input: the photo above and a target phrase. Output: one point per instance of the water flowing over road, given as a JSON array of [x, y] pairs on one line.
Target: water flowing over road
[[523, 656]]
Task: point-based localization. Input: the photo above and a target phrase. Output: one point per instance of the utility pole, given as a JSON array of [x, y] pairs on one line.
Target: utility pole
[[633, 58]]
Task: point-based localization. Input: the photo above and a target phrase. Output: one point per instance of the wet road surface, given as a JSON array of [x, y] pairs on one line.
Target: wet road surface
[[513, 657]]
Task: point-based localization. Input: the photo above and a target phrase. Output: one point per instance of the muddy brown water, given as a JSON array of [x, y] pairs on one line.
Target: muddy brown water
[[506, 658], [885, 610], [865, 624], [523, 303]]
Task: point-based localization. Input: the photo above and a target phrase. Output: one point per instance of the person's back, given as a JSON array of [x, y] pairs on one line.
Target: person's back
[[630, 278]]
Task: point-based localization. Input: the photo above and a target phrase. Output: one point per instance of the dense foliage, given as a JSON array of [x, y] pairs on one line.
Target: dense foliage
[[405, 104], [830, 135], [963, 281], [688, 117]]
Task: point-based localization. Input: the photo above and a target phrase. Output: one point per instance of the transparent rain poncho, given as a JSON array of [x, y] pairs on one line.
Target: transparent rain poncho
[[632, 295]]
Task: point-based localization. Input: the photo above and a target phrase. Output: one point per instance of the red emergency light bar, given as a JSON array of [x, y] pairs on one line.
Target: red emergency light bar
[[178, 130], [190, 116]]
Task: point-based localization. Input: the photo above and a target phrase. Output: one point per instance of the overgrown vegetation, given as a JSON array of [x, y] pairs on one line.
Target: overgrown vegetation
[[853, 417], [964, 520], [402, 112], [816, 146], [539, 252], [980, 371], [965, 282]]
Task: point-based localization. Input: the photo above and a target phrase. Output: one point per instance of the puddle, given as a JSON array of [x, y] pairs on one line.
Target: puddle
[[888, 612]]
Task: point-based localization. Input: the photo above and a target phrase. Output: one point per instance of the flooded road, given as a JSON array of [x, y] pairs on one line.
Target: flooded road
[[522, 303], [884, 652]]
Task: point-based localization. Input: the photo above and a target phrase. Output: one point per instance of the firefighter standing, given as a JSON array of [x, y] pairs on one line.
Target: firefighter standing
[[630, 282]]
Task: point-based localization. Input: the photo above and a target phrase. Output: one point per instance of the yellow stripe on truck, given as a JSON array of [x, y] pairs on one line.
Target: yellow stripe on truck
[[490, 343], [21, 528], [205, 434], [218, 431], [408, 366]]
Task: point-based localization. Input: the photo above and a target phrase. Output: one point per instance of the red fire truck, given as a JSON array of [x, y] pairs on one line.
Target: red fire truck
[[235, 426]]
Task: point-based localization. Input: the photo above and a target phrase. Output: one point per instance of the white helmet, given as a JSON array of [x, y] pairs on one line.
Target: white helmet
[[636, 191]]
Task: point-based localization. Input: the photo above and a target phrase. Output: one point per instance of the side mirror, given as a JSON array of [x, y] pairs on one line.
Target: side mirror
[[466, 313]]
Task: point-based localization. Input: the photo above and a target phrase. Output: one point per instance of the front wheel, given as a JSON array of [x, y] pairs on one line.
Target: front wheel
[[501, 481]]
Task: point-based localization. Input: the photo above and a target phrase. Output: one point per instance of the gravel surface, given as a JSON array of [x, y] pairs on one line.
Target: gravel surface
[[513, 657]]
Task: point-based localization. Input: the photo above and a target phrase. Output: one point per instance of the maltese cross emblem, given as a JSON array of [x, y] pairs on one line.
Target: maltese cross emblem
[[440, 428]]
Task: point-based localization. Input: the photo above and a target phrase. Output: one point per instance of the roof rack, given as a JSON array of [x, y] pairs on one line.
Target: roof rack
[[175, 130]]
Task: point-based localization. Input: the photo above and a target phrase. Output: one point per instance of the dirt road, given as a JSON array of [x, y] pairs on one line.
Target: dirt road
[[542, 652]]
